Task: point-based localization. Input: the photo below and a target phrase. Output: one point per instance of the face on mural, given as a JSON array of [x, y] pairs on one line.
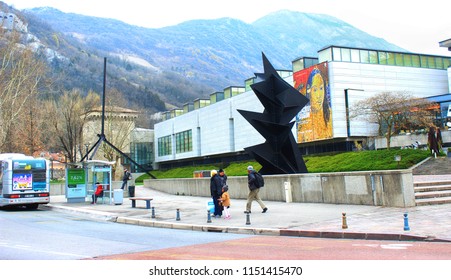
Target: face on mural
[[316, 92]]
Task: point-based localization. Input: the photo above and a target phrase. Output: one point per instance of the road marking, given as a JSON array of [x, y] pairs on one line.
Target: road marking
[[29, 248], [400, 246], [396, 246]]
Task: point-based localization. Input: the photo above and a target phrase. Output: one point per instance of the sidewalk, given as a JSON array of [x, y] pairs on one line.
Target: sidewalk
[[429, 223]]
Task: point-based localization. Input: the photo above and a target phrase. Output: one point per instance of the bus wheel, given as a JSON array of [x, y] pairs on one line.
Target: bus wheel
[[32, 206]]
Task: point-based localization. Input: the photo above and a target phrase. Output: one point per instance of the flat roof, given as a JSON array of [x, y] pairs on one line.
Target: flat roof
[[446, 44]]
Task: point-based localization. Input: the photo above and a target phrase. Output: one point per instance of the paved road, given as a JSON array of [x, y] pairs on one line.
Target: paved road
[[289, 248], [50, 235]]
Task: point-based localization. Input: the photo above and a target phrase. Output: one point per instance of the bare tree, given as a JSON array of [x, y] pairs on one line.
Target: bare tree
[[393, 111], [31, 129], [68, 116], [20, 75], [118, 125]]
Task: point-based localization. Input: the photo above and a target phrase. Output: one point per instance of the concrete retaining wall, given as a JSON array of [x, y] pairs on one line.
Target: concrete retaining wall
[[379, 188]]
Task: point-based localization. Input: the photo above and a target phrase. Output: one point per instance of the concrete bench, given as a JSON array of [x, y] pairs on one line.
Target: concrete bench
[[146, 199]]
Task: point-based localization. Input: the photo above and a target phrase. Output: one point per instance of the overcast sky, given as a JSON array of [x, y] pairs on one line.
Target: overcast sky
[[417, 26]]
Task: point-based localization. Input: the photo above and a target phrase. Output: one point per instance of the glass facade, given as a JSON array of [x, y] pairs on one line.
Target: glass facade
[[248, 83], [200, 103], [334, 53], [165, 146], [232, 91], [302, 63], [141, 153], [188, 107], [216, 97], [184, 142]]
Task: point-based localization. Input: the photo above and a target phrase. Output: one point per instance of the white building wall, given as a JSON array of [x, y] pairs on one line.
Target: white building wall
[[211, 127], [245, 134], [366, 80]]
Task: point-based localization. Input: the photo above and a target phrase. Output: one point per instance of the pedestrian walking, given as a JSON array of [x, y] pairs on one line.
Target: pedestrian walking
[[225, 202], [254, 188], [216, 192]]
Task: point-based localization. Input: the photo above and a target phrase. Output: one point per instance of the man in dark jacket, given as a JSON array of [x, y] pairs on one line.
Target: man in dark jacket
[[253, 191], [125, 178], [216, 192], [223, 177]]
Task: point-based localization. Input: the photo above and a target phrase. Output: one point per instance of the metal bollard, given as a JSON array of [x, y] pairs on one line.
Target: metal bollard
[[153, 212], [406, 222], [178, 215], [208, 216], [344, 223], [248, 218]]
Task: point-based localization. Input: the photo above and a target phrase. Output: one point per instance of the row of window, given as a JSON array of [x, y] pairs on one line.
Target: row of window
[[384, 58], [183, 143]]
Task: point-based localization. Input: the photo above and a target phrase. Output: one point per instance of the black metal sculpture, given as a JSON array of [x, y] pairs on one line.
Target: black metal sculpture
[[280, 153]]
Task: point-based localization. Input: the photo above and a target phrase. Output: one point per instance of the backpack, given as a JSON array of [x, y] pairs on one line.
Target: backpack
[[259, 179]]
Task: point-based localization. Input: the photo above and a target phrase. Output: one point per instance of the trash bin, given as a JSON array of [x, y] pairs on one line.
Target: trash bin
[[131, 191], [118, 196]]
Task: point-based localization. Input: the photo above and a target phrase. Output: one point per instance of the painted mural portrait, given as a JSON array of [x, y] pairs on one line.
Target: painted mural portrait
[[314, 122]]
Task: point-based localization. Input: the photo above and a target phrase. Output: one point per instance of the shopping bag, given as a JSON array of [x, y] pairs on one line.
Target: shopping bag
[[210, 206]]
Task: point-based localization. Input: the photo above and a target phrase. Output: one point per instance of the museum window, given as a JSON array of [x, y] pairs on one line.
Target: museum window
[[408, 60], [416, 61], [383, 58], [345, 55], [390, 58], [184, 141], [334, 53], [373, 57], [364, 56], [324, 55], [355, 55], [164, 146], [439, 62], [431, 62]]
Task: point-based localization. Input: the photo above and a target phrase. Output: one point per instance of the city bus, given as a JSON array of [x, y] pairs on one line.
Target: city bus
[[24, 181]]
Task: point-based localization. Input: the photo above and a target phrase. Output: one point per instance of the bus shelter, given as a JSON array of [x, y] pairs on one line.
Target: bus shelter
[[83, 177]]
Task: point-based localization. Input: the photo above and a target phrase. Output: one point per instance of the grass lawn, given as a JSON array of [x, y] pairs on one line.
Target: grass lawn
[[331, 162]]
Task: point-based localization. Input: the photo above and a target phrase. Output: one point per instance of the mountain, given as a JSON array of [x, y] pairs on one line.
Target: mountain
[[219, 52], [180, 63]]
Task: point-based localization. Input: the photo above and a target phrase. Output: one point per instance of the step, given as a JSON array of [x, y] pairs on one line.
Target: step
[[432, 188], [434, 194], [433, 201], [432, 183]]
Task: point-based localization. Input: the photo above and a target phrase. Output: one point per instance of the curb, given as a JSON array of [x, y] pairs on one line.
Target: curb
[[93, 214], [105, 216]]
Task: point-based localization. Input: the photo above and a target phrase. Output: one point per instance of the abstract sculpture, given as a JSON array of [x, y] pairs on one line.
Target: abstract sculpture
[[279, 154]]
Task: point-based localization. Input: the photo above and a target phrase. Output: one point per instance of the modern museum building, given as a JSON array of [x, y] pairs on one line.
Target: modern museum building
[[211, 131]]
